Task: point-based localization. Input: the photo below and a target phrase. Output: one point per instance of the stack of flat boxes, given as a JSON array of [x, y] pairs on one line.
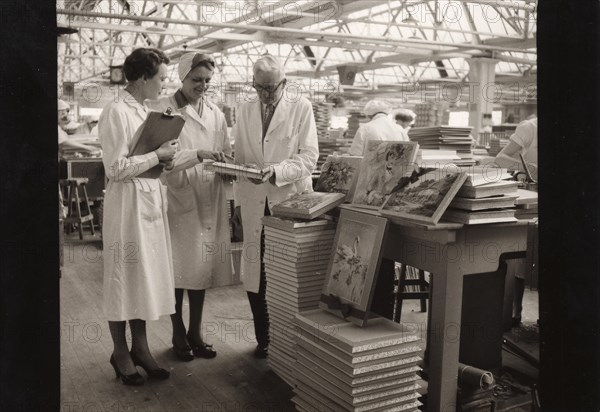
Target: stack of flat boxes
[[296, 257], [343, 367]]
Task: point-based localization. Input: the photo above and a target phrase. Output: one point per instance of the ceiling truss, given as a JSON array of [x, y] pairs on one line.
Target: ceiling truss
[[406, 40]]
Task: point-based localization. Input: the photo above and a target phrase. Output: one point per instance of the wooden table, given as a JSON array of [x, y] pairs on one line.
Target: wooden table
[[450, 251]]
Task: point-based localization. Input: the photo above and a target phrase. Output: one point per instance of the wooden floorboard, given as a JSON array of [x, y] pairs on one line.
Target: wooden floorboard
[[233, 381]]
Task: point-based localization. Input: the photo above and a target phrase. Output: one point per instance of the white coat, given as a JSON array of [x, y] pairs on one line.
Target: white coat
[[138, 268], [382, 128], [292, 148], [198, 217]]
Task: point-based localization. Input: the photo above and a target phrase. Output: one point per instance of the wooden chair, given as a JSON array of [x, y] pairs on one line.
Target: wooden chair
[[74, 214], [422, 293]]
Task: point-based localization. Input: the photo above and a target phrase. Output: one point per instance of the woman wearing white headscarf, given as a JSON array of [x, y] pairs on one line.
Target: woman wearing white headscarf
[[198, 219], [380, 127]]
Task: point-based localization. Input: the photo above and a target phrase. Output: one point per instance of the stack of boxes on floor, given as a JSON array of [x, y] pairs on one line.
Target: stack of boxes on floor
[[296, 258], [343, 367]]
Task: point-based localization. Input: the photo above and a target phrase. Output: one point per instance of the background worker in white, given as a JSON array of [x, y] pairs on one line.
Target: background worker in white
[[138, 268], [380, 127], [64, 141], [405, 118], [523, 141], [280, 133], [198, 220]]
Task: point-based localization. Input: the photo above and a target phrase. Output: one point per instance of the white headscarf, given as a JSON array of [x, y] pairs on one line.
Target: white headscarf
[[189, 61], [376, 106], [62, 105]]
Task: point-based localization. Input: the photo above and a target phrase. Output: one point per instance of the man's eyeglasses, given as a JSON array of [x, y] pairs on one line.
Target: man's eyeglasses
[[269, 89]]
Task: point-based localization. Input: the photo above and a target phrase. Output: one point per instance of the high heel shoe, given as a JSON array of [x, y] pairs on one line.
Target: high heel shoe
[[158, 373], [183, 354], [135, 379], [201, 350]]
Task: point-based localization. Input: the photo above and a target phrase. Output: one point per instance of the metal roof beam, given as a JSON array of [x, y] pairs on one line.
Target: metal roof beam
[[287, 31], [168, 31]]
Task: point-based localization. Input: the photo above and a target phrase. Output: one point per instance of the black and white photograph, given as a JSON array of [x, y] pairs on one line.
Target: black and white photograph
[[300, 205]]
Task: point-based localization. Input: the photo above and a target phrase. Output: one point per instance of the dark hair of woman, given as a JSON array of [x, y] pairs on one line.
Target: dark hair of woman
[[143, 62], [403, 117]]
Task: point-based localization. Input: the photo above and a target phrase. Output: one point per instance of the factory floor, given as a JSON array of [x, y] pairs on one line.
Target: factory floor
[[233, 381]]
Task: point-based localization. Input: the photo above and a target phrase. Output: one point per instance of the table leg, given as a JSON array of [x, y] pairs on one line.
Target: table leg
[[444, 332]]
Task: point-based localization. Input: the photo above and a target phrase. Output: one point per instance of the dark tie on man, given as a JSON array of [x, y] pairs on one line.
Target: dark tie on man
[[269, 110]]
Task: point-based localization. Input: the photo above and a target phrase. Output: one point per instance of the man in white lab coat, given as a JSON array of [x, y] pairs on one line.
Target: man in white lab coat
[[380, 127], [278, 133]]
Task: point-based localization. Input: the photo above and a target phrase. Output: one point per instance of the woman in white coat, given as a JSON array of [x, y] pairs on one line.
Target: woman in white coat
[[138, 269], [198, 218]]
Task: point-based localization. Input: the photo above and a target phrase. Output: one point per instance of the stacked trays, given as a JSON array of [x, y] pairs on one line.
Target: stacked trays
[[329, 143], [431, 114], [295, 251], [343, 367], [322, 112], [354, 121], [496, 146], [446, 138], [329, 147]]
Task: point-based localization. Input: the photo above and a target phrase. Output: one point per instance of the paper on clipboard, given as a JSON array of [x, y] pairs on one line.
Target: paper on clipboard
[[156, 130]]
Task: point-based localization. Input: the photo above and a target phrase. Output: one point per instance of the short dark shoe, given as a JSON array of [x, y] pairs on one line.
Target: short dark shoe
[[183, 354], [202, 350], [260, 352]]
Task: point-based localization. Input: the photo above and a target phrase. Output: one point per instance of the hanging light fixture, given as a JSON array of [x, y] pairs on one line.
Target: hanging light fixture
[[220, 66], [412, 21], [415, 36]]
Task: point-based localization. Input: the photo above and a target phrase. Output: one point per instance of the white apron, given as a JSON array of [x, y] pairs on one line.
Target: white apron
[[198, 218]]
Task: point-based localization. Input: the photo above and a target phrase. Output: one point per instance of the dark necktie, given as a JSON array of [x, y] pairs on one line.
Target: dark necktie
[[269, 110]]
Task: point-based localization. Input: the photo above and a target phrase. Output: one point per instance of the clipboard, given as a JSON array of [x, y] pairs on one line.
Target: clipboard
[[156, 130]]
